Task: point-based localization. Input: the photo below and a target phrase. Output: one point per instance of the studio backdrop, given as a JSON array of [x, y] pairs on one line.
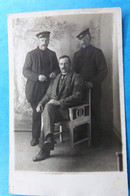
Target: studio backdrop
[[63, 41]]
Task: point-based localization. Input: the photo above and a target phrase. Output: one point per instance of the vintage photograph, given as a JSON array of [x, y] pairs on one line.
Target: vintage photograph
[[66, 83]]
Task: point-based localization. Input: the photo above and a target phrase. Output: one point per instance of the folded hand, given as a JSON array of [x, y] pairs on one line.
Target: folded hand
[[39, 108], [89, 84], [42, 78], [52, 75]]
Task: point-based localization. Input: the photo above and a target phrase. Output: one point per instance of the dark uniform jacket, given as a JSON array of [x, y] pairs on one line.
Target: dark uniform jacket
[[69, 94], [35, 89], [90, 63]]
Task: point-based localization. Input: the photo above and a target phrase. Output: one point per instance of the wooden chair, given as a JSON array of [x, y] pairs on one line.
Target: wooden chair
[[79, 115]]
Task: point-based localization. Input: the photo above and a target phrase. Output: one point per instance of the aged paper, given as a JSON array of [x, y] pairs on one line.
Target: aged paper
[[90, 171]]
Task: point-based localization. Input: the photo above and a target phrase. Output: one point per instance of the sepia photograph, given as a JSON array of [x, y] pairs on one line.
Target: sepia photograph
[[66, 97]]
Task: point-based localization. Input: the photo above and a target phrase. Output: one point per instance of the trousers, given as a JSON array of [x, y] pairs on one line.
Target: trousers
[[36, 123], [51, 115], [96, 118]]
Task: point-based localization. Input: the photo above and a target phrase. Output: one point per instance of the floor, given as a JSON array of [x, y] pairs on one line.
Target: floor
[[82, 159]]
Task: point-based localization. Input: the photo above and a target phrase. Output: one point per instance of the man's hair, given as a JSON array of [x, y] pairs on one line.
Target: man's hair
[[65, 56]]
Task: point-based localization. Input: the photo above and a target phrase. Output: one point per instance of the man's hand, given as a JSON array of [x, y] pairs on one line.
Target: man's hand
[[54, 102], [89, 84], [52, 75], [42, 78], [39, 108]]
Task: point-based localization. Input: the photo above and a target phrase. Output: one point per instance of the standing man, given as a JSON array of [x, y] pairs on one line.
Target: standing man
[[90, 63], [40, 67], [64, 92]]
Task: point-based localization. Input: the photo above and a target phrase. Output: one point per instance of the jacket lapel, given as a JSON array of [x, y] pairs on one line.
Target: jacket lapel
[[65, 82], [50, 57], [69, 77], [56, 84], [38, 61]]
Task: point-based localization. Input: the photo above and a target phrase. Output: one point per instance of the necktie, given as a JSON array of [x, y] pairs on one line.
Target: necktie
[[61, 81], [63, 77]]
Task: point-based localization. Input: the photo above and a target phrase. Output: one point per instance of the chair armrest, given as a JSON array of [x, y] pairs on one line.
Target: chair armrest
[[77, 111], [81, 110], [79, 106]]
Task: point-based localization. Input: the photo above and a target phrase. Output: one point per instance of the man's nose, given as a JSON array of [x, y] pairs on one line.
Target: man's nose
[[44, 41], [81, 41], [62, 66]]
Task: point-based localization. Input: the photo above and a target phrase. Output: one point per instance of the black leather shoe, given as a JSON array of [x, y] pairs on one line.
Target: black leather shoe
[[34, 142], [42, 155], [46, 145]]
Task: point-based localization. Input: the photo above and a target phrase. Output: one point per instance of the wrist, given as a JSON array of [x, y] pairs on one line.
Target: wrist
[[40, 103]]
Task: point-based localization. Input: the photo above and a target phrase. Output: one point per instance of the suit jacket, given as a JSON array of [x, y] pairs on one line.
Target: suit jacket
[[70, 93], [35, 89], [90, 63]]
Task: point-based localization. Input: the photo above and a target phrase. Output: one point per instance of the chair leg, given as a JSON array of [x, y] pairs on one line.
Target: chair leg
[[61, 133], [89, 135], [72, 137]]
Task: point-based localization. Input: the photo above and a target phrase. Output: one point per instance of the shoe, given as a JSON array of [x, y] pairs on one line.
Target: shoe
[[41, 143], [52, 146], [46, 145], [34, 142], [42, 155]]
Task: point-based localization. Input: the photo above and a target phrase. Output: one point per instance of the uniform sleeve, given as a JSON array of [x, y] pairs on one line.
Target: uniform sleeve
[[76, 96], [27, 69], [75, 66], [101, 68]]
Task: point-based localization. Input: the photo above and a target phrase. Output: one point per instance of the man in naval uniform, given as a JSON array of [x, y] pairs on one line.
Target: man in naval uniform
[[40, 67], [90, 62]]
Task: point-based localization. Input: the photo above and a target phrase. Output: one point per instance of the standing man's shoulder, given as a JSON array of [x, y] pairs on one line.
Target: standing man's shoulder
[[95, 49], [76, 74], [33, 52], [77, 53], [51, 51]]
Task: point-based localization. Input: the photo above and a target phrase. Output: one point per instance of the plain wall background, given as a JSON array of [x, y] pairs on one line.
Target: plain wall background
[[15, 6]]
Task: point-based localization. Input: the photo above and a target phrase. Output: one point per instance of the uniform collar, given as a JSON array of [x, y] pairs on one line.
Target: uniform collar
[[86, 47]]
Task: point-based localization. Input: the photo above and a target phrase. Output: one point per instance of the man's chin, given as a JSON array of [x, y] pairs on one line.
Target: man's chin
[[63, 72], [83, 46], [43, 48]]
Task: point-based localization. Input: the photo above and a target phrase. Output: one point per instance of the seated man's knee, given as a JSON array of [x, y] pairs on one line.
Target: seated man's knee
[[49, 108]]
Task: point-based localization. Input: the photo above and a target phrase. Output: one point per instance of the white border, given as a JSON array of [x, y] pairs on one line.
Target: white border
[[58, 184]]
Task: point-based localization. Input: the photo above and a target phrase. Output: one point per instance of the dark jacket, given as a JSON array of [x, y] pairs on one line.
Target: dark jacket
[[90, 63], [70, 93], [35, 89]]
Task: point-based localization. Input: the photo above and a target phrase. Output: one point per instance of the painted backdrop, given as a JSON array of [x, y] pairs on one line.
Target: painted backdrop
[[63, 41]]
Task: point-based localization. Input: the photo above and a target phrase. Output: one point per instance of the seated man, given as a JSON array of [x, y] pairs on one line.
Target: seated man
[[65, 91]]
